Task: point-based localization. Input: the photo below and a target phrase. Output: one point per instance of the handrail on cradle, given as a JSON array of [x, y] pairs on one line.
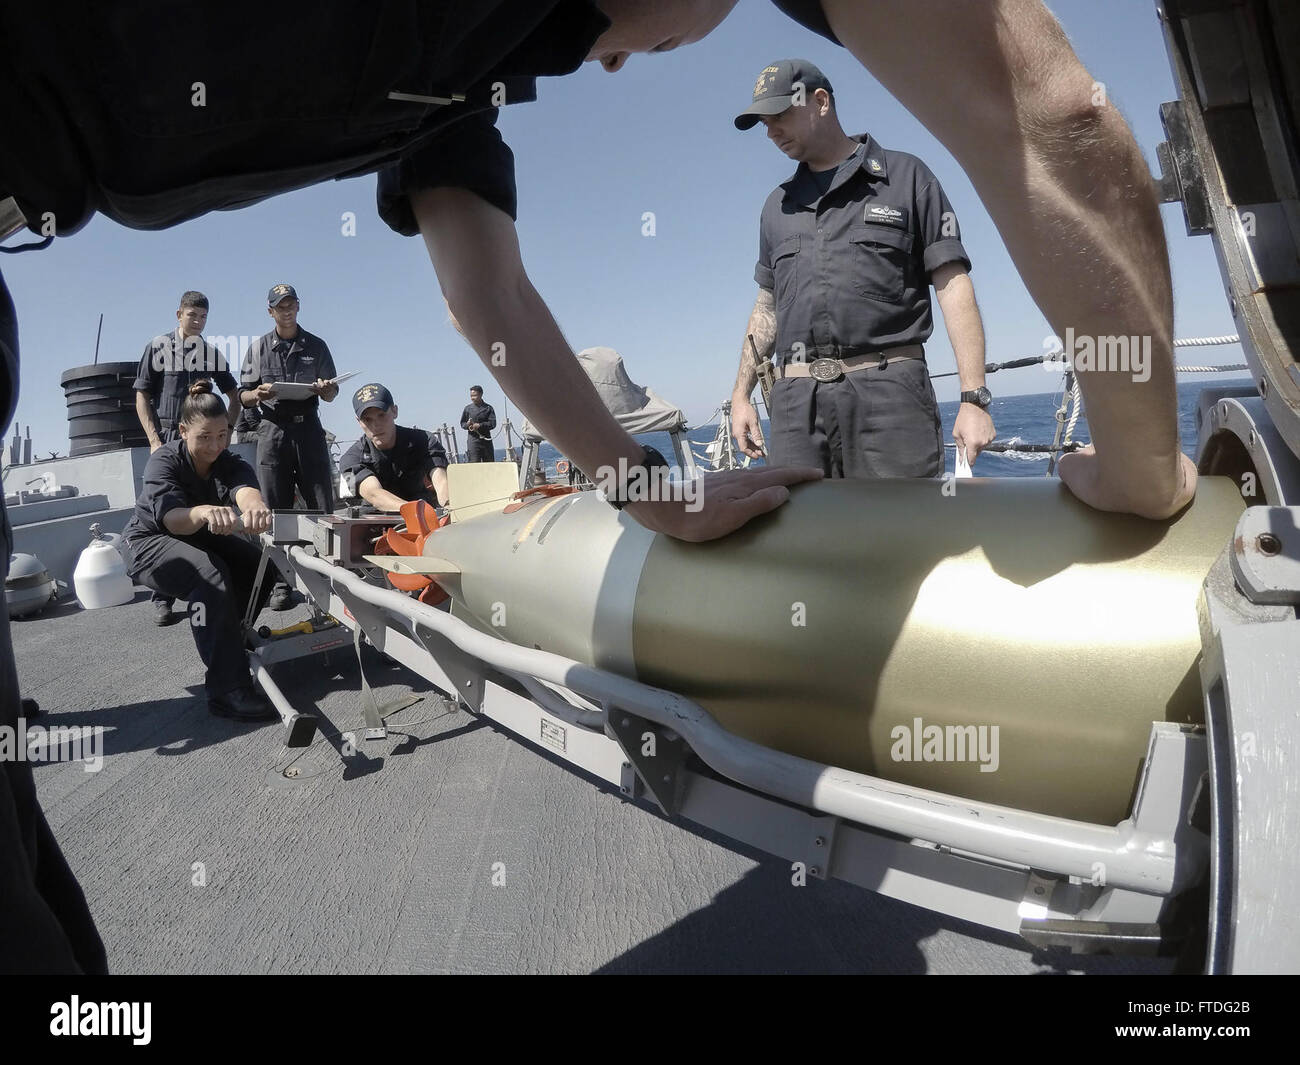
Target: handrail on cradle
[[1132, 859]]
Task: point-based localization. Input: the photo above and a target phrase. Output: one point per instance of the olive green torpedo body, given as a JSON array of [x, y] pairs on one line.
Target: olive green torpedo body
[[997, 640]]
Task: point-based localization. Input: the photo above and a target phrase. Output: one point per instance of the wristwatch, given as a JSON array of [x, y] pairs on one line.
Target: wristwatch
[[649, 461], [981, 397]]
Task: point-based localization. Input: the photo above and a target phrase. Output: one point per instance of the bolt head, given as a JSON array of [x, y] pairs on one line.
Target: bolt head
[[1268, 544]]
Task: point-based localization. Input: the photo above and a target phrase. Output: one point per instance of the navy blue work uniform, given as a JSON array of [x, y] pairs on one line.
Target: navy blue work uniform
[[848, 255], [169, 365], [403, 469], [202, 568], [291, 447], [45, 925], [478, 443]]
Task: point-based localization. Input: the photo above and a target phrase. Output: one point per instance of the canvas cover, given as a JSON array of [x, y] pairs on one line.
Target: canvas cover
[[637, 409]]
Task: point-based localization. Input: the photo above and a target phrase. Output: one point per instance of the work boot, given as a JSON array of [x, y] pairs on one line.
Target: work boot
[[281, 598], [242, 704], [162, 612]]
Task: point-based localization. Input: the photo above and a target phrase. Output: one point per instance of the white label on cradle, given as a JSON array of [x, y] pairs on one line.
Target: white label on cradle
[[553, 735]]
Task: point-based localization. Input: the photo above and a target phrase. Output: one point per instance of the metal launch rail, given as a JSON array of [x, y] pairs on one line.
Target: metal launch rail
[[1057, 882]]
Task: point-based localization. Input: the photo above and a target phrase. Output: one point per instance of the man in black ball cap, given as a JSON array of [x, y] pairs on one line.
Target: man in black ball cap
[[392, 464], [848, 249], [291, 447]]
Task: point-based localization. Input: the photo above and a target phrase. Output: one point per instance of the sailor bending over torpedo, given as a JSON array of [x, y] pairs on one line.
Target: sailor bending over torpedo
[[182, 542], [392, 464]]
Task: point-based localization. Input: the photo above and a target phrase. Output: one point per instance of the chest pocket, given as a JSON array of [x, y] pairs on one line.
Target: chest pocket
[[881, 261], [272, 366], [785, 270]]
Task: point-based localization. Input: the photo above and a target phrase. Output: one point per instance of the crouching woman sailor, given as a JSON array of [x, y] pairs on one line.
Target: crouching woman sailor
[[182, 542]]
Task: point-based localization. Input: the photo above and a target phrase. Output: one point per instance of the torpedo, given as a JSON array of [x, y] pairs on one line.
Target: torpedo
[[826, 629]]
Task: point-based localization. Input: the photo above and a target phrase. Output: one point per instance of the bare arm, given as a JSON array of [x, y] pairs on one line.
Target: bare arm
[[438, 480], [744, 418], [185, 521], [475, 251], [379, 497], [234, 404], [1071, 196], [972, 428], [961, 317], [762, 327], [148, 419]]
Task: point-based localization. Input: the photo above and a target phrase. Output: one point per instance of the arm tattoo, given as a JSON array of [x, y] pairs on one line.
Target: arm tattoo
[[762, 327]]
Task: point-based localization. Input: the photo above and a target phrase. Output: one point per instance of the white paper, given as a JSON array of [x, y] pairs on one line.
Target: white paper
[[962, 468]]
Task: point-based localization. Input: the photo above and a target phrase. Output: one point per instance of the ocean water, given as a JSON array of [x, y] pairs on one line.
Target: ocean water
[[1018, 419]]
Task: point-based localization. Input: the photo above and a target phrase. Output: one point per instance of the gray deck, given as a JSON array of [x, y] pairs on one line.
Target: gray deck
[[383, 862]]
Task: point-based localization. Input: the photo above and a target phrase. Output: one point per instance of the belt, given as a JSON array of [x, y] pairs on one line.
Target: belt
[[269, 415], [833, 369]]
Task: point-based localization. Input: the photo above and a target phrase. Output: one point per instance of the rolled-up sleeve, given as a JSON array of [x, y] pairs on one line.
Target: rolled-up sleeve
[[940, 233], [162, 491], [354, 464], [144, 375], [470, 154], [234, 473], [437, 454]]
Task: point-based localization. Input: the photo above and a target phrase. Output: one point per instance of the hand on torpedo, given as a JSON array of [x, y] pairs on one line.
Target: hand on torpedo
[[729, 501]]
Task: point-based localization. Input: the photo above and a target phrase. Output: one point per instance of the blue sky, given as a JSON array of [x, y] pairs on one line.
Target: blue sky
[[593, 155]]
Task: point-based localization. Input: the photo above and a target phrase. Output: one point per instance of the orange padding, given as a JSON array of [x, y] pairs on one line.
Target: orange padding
[[540, 491], [422, 521]]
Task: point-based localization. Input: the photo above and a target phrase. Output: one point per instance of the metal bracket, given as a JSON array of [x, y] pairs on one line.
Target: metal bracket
[[372, 709], [251, 610], [1266, 554], [659, 770], [1096, 937], [372, 620], [465, 672], [817, 855], [1182, 180]]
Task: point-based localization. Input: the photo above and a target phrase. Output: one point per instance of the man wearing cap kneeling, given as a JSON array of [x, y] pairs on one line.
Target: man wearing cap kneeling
[[291, 447], [848, 249], [392, 464]]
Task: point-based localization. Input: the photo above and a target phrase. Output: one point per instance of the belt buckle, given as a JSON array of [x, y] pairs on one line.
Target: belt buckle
[[825, 370]]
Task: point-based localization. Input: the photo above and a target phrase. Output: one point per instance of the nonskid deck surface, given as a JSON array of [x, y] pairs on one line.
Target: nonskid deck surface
[[385, 861]]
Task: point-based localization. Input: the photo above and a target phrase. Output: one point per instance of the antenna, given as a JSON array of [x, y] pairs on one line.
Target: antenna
[[97, 333]]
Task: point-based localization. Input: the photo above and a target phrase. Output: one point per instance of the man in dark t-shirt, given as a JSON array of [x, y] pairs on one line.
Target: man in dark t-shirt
[[392, 464]]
